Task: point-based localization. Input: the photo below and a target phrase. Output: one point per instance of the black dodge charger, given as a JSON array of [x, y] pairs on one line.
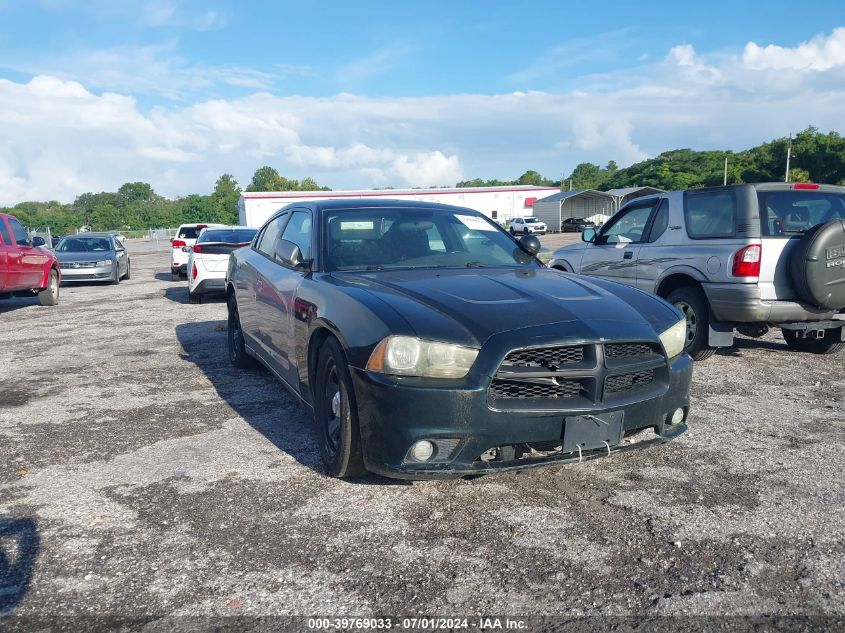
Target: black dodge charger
[[428, 342]]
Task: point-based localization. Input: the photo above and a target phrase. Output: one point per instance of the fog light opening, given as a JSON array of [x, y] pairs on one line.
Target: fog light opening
[[676, 417], [423, 450]]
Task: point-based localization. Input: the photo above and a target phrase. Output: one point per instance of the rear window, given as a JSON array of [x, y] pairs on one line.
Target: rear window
[[710, 214], [227, 236], [188, 232], [787, 213]]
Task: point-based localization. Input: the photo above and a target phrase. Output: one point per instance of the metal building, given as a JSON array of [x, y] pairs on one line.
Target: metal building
[[622, 196], [590, 204], [498, 203]]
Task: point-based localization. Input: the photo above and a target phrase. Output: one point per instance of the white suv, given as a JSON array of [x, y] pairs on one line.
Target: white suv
[[527, 226], [186, 236]]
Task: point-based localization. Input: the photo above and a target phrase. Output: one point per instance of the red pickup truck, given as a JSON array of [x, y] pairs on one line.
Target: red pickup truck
[[25, 267]]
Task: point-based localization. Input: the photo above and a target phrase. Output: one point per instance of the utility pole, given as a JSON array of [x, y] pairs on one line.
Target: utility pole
[[788, 156], [725, 183]]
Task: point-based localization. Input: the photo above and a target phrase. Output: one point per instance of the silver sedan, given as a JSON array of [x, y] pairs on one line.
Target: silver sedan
[[93, 257]]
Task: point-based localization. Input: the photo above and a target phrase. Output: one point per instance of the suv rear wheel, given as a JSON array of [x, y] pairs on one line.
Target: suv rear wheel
[[826, 345], [691, 302]]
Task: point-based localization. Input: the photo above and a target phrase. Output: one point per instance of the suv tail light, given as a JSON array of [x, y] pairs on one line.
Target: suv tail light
[[196, 248], [178, 243], [747, 261], [194, 271]]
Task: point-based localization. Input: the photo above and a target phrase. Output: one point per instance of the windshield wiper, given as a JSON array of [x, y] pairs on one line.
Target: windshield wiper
[[475, 265], [374, 267]]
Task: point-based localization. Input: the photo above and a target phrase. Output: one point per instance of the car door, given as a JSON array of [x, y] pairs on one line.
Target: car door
[[286, 281], [9, 258], [30, 270], [614, 252], [651, 260], [122, 257]]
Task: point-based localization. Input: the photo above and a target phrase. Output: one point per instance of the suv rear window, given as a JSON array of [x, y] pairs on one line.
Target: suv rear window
[[188, 233], [710, 214], [787, 213]]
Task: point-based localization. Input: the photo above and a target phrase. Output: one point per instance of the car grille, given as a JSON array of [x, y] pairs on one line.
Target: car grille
[[628, 382], [74, 265], [545, 356], [626, 350], [568, 376], [523, 389]]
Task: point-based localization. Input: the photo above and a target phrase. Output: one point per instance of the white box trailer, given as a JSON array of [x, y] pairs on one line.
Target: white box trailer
[[498, 203]]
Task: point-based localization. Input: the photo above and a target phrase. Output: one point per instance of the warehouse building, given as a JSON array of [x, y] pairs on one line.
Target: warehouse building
[[498, 203], [593, 205]]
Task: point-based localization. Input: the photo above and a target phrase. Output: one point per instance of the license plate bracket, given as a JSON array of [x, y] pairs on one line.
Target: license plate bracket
[[592, 431]]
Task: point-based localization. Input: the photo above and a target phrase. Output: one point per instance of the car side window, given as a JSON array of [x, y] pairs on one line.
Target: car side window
[[710, 214], [20, 234], [270, 233], [4, 233], [298, 231], [627, 227], [660, 222]]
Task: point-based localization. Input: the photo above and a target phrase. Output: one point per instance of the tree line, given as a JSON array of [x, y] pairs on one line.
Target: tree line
[[136, 206], [816, 157]]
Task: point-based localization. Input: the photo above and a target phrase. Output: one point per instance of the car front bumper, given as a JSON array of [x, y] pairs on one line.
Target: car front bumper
[[393, 416], [741, 303], [100, 273]]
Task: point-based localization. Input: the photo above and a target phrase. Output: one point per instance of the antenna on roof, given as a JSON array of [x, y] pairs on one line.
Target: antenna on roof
[[788, 156]]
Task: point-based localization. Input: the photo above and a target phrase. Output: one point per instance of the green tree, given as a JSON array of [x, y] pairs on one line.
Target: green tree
[[225, 197], [264, 179]]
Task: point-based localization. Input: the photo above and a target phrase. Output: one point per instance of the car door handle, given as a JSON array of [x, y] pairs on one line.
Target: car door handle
[[628, 255]]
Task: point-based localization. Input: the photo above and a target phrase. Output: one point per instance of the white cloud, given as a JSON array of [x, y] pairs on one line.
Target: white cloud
[[62, 139], [822, 53]]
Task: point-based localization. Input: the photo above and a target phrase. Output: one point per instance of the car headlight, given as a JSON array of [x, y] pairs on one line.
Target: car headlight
[[674, 338], [410, 356], [103, 262]]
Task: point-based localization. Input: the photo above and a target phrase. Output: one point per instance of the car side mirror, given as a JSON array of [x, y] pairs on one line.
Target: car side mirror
[[588, 235], [38, 241], [289, 254], [530, 244]]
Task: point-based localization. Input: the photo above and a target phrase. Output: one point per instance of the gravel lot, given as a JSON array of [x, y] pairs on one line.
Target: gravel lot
[[141, 475]]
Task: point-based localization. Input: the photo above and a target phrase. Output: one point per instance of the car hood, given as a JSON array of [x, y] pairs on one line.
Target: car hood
[[85, 257], [469, 306]]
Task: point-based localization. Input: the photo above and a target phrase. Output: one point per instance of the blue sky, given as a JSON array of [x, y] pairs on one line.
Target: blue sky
[[395, 93]]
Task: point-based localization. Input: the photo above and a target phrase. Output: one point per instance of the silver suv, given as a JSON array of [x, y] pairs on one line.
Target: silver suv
[[744, 257]]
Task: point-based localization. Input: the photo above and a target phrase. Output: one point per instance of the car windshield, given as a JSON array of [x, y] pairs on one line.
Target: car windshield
[[531, 220], [793, 212], [226, 236], [392, 238], [84, 245]]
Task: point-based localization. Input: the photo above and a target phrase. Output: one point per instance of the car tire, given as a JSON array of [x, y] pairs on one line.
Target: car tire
[[238, 355], [49, 296], [336, 414], [116, 279], [512, 231], [194, 297], [691, 301], [814, 346], [128, 274], [525, 231]]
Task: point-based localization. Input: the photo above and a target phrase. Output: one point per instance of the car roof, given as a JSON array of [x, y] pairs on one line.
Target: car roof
[[91, 234]]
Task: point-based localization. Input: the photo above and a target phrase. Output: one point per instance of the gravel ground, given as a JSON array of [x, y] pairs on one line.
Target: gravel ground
[[141, 475]]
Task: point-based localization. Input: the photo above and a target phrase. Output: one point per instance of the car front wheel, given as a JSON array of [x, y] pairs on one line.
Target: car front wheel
[[692, 303], [50, 295], [336, 414], [826, 345]]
